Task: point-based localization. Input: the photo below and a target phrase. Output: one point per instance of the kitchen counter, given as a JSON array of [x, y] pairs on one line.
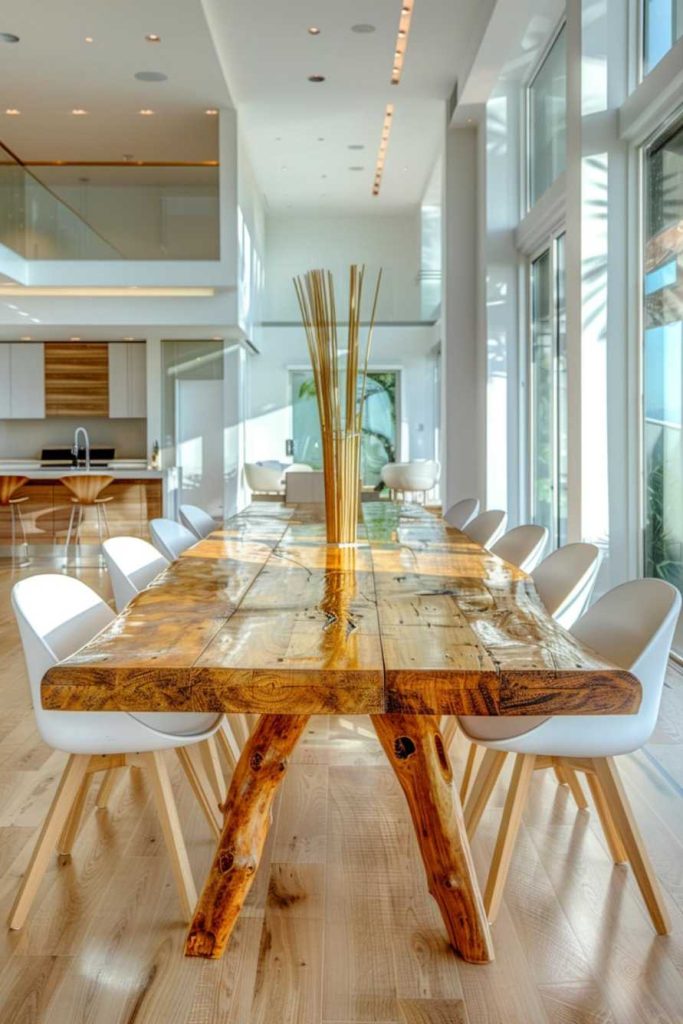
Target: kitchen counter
[[34, 471]]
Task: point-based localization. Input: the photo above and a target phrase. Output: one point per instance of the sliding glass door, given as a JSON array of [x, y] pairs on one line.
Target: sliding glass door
[[663, 359], [548, 392]]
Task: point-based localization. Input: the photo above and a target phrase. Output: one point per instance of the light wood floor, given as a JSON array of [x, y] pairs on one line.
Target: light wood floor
[[339, 926]]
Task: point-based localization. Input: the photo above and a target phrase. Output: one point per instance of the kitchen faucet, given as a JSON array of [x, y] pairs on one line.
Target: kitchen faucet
[[75, 449]]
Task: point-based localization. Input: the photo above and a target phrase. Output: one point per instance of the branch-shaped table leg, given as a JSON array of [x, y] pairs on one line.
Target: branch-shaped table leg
[[258, 774], [417, 754]]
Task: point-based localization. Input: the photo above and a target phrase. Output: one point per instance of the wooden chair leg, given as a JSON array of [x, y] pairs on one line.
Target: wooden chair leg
[[67, 793], [106, 788], [73, 823], [560, 774], [467, 774], [575, 787], [622, 816], [229, 744], [449, 730], [614, 843], [208, 752], [170, 823], [507, 834], [201, 788], [487, 776]]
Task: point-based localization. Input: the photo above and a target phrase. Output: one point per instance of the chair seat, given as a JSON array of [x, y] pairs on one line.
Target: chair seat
[[88, 487], [116, 732], [9, 485], [560, 736]]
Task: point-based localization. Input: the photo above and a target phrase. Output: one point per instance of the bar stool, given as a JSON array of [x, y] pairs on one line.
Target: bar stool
[[85, 493], [9, 485]]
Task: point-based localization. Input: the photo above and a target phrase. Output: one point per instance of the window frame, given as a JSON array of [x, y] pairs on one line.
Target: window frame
[[525, 176]]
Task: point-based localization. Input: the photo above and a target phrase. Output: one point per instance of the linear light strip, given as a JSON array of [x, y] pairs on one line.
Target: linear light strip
[[384, 143], [98, 291], [402, 40]]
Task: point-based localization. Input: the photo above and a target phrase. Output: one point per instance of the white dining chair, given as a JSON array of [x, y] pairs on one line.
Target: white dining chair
[[262, 479], [487, 527], [632, 626], [417, 477], [462, 513], [170, 538], [132, 564], [57, 615], [196, 520], [522, 546], [565, 580]]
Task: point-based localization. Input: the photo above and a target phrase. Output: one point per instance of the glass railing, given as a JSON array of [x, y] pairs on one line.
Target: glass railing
[[109, 211]]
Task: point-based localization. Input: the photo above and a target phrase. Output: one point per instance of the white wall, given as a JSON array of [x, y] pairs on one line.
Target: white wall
[[301, 242], [269, 413]]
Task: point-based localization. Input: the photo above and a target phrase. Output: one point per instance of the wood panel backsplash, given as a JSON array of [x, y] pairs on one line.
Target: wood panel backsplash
[[76, 379]]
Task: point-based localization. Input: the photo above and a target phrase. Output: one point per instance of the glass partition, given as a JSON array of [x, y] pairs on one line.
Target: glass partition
[[547, 120], [662, 27], [95, 212], [663, 359]]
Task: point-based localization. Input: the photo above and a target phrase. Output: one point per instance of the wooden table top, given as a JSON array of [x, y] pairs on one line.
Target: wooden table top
[[264, 617]]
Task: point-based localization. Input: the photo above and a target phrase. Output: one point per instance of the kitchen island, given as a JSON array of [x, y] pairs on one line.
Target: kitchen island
[[138, 494]]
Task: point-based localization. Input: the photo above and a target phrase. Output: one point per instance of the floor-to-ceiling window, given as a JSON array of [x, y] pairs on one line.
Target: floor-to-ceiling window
[[662, 27], [379, 440], [663, 358], [548, 392], [547, 120]]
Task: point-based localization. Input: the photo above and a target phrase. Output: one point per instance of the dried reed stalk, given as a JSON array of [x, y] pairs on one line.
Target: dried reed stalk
[[340, 402]]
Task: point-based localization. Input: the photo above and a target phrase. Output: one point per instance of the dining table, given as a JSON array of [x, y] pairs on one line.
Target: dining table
[[414, 622]]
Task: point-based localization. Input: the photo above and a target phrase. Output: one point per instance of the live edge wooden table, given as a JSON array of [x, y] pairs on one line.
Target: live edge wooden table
[[415, 622]]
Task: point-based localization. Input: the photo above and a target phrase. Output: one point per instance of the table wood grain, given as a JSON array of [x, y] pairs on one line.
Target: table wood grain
[[264, 617]]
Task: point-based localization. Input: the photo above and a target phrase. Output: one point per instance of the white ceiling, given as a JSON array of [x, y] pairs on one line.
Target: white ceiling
[[264, 50], [52, 70], [268, 55]]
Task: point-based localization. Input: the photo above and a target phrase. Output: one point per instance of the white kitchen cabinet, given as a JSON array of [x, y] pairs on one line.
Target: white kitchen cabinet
[[22, 381], [127, 380]]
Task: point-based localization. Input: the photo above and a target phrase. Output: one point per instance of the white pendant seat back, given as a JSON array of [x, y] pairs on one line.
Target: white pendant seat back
[[132, 563], [631, 626], [487, 527], [170, 538], [56, 616], [522, 546], [462, 513], [565, 580], [197, 521]]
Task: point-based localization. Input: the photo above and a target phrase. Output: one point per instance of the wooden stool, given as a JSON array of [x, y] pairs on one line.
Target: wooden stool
[[86, 490], [9, 485]]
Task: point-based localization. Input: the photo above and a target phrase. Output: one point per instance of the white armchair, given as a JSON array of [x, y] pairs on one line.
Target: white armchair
[[411, 477]]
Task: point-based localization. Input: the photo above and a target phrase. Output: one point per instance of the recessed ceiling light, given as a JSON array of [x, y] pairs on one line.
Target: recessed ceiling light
[[152, 37], [129, 338], [12, 111], [217, 337], [356, 145], [74, 339], [25, 337], [363, 28], [323, 175], [79, 112], [146, 113], [211, 112], [379, 166], [8, 37], [89, 39], [150, 76], [316, 78], [321, 138], [401, 42], [313, 30], [356, 167]]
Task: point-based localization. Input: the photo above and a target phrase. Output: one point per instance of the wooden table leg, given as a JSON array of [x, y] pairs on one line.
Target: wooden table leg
[[417, 754], [258, 774]]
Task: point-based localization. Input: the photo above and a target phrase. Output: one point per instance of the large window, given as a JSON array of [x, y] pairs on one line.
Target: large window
[[548, 393], [662, 27], [378, 443], [547, 120], [663, 359]]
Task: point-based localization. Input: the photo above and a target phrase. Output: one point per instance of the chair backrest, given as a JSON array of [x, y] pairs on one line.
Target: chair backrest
[[56, 615], [522, 546], [487, 527], [132, 564], [197, 520], [263, 478], [462, 513], [633, 626], [565, 581], [170, 538]]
